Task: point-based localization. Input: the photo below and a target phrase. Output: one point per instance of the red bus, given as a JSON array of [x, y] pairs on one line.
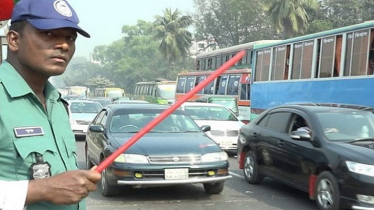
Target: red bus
[[234, 83]]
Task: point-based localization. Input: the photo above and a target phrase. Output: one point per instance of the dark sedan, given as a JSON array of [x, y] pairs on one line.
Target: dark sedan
[[176, 151], [323, 150]]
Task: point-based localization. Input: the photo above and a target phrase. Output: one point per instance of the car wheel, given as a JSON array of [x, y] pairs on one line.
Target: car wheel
[[214, 188], [327, 192], [106, 189], [89, 165], [251, 171]]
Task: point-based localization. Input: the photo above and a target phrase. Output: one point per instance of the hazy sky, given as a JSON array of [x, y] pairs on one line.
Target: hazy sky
[[103, 20]]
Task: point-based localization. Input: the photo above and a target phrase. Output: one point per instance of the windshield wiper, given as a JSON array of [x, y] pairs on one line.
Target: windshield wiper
[[371, 139]]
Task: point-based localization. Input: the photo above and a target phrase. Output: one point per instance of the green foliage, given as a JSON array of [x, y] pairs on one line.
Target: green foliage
[[231, 22], [290, 16], [99, 82], [171, 30]]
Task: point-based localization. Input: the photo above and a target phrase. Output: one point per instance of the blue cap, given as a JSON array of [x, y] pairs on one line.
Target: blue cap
[[47, 14]]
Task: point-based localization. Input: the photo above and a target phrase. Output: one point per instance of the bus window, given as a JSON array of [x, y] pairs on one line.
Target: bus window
[[190, 83], [248, 57], [327, 57], [199, 79], [296, 61], [307, 60], [279, 61], [259, 60], [214, 62], [233, 85], [180, 84], [360, 52], [219, 62], [221, 85], [266, 65], [209, 88]]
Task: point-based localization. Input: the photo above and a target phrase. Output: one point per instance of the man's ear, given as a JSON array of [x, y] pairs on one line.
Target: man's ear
[[12, 38]]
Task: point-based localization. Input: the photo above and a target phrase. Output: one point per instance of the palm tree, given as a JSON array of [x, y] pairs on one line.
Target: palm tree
[[171, 29], [290, 15]]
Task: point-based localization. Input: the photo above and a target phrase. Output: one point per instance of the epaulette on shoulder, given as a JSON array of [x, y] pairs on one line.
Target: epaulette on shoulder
[[66, 105]]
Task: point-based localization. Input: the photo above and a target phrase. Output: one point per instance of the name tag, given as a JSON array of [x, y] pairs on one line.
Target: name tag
[[28, 131]]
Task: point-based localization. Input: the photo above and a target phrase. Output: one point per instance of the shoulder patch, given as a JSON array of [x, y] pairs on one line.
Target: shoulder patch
[[66, 105]]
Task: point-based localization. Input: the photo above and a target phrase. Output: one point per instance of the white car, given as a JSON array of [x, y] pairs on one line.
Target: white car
[[81, 113], [224, 123]]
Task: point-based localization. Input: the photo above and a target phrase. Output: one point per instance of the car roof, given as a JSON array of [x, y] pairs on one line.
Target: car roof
[[137, 106], [83, 101], [321, 107], [202, 104]]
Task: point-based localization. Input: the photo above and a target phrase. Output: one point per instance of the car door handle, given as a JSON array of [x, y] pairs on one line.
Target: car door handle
[[280, 143], [254, 134]]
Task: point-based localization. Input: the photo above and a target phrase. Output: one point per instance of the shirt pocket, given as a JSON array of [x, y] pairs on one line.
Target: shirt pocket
[[27, 148]]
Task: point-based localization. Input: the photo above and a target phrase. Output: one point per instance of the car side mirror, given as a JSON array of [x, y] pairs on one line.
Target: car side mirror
[[300, 135], [96, 128], [205, 128]]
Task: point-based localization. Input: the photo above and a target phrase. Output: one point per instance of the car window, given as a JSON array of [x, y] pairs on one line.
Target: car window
[[98, 117], [210, 113], [83, 107], [348, 125], [276, 121], [134, 121]]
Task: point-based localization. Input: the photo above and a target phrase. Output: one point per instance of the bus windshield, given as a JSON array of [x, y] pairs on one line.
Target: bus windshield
[[166, 91]]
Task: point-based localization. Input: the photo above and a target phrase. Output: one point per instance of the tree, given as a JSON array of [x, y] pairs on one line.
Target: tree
[[99, 82], [171, 29], [231, 22], [290, 16]]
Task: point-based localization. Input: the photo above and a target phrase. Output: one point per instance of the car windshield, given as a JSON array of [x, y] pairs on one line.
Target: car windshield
[[84, 107], [132, 122], [347, 126], [210, 113]]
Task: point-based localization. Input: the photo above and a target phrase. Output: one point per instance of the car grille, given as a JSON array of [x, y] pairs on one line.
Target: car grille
[[83, 122], [175, 159], [224, 133]]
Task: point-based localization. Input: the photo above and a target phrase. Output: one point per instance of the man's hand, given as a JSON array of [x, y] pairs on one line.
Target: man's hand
[[65, 188]]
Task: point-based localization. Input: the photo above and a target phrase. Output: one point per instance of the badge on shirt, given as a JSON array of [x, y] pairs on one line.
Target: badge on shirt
[[28, 131], [40, 169]]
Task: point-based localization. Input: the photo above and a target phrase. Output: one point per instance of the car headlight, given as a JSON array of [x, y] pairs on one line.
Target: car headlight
[[213, 157], [131, 158], [360, 168]]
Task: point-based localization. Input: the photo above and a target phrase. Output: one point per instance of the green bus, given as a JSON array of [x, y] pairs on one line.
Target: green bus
[[157, 92]]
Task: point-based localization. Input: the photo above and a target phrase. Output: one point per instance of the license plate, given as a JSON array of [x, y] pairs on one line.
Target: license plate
[[178, 173], [225, 143]]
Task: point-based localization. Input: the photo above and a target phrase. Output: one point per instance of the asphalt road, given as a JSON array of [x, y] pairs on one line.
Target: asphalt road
[[238, 194]]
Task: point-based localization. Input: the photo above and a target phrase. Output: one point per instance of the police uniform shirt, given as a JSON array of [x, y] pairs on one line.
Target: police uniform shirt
[[27, 129]]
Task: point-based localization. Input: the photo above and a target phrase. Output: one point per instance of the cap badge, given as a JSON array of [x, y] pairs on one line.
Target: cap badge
[[63, 8]]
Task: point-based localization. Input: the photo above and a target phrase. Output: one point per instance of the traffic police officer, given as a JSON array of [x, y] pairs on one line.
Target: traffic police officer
[[37, 147]]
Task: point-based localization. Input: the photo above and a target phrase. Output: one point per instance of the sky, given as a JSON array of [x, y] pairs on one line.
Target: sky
[[103, 20]]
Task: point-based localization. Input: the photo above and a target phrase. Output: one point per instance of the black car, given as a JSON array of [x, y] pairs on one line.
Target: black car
[[323, 150], [176, 151]]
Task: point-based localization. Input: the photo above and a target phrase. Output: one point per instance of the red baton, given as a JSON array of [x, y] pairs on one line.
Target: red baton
[[168, 111]]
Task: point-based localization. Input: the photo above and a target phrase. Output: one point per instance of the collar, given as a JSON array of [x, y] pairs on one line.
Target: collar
[[16, 86]]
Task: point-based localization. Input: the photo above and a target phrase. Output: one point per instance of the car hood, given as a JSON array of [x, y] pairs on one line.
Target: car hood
[[83, 116], [359, 153], [154, 144], [221, 125]]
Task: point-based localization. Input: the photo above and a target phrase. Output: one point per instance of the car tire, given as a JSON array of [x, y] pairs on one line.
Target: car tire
[[106, 189], [214, 188], [251, 170], [327, 192]]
